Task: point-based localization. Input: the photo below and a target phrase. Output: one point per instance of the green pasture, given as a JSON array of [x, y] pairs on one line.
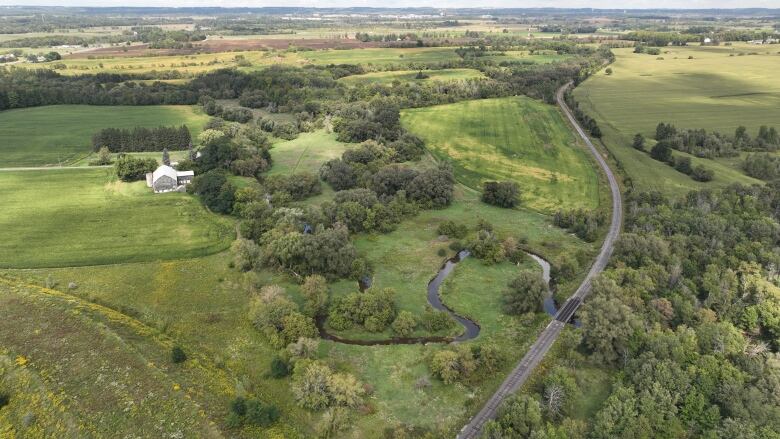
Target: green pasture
[[67, 217], [718, 89], [306, 153], [510, 139], [62, 134], [410, 76]]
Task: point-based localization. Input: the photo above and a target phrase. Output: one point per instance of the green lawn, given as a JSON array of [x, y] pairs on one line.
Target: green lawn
[[410, 76], [62, 134], [714, 90], [306, 153], [69, 217], [510, 139]]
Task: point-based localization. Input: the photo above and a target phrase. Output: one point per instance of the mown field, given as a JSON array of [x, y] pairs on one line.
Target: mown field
[[306, 153], [62, 134], [718, 89], [67, 217], [410, 76], [512, 139]]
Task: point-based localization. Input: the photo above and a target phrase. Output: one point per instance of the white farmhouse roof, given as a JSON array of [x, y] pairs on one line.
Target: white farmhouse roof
[[164, 170]]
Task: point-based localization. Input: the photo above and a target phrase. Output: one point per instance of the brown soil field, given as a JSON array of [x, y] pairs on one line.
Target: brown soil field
[[224, 45]]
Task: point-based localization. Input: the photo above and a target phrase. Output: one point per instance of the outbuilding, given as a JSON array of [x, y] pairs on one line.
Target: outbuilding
[[167, 179]]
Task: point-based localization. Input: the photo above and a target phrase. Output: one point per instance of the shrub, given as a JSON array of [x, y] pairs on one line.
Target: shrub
[[700, 173], [5, 399], [260, 414], [502, 194], [251, 411], [178, 355], [525, 293], [131, 169], [487, 247], [404, 324], [279, 367], [214, 189], [452, 229]]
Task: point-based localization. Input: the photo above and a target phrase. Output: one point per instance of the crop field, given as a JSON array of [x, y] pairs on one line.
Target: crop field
[[61, 134], [410, 76], [510, 139], [306, 153], [68, 217], [718, 89]]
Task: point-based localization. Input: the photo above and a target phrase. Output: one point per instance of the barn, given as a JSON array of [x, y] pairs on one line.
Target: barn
[[167, 179]]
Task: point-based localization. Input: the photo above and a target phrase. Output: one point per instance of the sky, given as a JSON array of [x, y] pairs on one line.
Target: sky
[[610, 4]]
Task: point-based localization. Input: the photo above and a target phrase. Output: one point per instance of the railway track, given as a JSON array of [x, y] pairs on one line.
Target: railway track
[[544, 342]]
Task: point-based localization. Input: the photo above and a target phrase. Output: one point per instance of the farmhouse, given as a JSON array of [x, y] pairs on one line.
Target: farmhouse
[[167, 179]]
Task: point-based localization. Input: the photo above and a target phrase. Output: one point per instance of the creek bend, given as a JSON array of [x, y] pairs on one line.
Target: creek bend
[[470, 328]]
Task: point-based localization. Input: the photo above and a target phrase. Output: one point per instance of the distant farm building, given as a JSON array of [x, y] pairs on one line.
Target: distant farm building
[[167, 179]]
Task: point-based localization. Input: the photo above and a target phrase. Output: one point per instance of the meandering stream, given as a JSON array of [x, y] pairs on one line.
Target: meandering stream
[[470, 327]]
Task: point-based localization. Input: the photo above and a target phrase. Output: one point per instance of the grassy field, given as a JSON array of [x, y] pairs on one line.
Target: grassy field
[[61, 134], [407, 259], [510, 139], [410, 76], [79, 377], [717, 90], [306, 153], [85, 217]]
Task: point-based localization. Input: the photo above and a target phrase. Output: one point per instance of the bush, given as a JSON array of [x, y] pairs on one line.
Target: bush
[[502, 194], [251, 411], [487, 247], [700, 173], [260, 414], [279, 367], [178, 355], [525, 293], [131, 169], [240, 115], [214, 189], [452, 229], [404, 324], [5, 399]]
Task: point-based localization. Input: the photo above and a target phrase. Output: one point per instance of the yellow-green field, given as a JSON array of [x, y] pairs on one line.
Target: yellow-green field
[[713, 90], [510, 139], [410, 76], [80, 216], [61, 134]]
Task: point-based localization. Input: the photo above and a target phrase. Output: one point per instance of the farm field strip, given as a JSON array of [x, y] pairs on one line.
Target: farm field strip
[[714, 91], [87, 217], [516, 139], [62, 134]]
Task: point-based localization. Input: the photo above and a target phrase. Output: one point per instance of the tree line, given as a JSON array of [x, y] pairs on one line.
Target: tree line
[[687, 313], [141, 139]]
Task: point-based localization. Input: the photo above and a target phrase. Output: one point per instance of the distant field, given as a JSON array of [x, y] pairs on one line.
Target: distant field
[[510, 139], [714, 90], [306, 153], [68, 217], [410, 76], [61, 134]]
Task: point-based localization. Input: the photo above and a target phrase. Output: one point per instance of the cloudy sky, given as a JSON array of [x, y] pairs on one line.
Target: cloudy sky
[[688, 4]]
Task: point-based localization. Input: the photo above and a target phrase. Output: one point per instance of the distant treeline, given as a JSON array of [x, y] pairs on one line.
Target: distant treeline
[[141, 139]]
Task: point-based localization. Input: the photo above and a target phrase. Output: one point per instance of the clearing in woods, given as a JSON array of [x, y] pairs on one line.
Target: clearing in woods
[[62, 134], [510, 139]]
